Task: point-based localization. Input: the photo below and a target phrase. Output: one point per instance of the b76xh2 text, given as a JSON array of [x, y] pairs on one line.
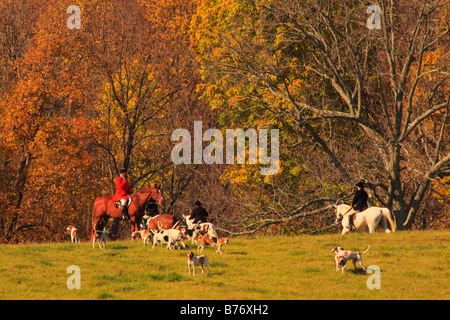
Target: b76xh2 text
[[246, 309]]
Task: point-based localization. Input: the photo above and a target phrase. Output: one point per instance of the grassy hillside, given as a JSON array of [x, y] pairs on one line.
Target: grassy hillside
[[414, 265]]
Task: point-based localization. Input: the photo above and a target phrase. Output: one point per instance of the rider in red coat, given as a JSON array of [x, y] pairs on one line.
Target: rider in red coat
[[123, 191]]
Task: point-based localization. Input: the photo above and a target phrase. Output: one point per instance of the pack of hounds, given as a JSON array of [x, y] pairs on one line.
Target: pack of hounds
[[207, 235]]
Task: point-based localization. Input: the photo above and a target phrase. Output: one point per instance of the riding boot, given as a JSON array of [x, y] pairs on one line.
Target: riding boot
[[351, 225]]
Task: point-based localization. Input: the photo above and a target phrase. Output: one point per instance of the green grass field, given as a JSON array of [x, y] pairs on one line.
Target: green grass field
[[414, 265]]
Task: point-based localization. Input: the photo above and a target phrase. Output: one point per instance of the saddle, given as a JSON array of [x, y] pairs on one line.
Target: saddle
[[127, 204], [357, 212]]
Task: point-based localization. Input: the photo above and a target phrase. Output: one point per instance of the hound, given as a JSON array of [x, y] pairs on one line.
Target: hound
[[196, 261], [136, 234], [340, 262], [159, 236], [100, 237], [176, 235], [342, 256], [146, 235], [205, 226], [212, 241], [193, 235], [73, 234]]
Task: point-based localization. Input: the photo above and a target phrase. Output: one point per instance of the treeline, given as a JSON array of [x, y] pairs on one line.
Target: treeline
[[349, 102]]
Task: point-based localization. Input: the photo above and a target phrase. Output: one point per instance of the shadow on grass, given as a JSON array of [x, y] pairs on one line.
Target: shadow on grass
[[169, 277], [359, 271]]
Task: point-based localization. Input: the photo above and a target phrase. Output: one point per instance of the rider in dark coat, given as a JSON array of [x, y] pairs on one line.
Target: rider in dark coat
[[199, 213], [359, 202]]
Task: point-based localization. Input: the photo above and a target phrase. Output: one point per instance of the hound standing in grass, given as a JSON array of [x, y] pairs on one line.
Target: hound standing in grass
[[212, 241], [159, 236], [340, 263], [100, 237], [140, 234], [73, 234], [176, 235], [342, 256], [196, 261]]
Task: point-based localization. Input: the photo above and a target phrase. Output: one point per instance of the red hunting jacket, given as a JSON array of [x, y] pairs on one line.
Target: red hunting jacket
[[123, 189]]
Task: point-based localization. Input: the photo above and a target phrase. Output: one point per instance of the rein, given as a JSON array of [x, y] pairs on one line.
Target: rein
[[147, 200], [342, 215]]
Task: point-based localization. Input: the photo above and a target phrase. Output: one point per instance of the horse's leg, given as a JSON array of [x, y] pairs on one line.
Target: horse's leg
[[135, 213], [133, 229], [138, 223], [345, 223], [357, 223], [376, 222], [371, 228], [133, 226], [98, 224], [384, 221], [95, 222], [344, 229]]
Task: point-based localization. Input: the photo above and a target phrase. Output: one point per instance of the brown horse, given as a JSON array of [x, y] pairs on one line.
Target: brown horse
[[105, 207], [164, 221]]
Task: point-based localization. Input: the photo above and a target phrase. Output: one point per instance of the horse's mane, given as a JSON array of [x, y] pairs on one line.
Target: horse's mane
[[343, 205], [147, 190]]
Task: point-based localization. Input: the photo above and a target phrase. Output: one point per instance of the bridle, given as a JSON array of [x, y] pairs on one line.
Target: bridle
[[154, 197], [340, 216], [158, 193]]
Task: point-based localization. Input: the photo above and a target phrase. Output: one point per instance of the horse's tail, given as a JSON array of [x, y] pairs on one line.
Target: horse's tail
[[388, 215]]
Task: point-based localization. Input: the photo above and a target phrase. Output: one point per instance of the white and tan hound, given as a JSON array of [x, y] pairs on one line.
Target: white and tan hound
[[212, 241], [196, 261], [342, 256], [73, 234], [340, 263]]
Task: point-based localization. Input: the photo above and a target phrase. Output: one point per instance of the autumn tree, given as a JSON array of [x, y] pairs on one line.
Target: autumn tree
[[373, 103], [86, 102], [41, 166], [17, 26]]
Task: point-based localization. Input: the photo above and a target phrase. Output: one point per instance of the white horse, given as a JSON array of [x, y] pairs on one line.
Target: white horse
[[370, 217], [211, 230]]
